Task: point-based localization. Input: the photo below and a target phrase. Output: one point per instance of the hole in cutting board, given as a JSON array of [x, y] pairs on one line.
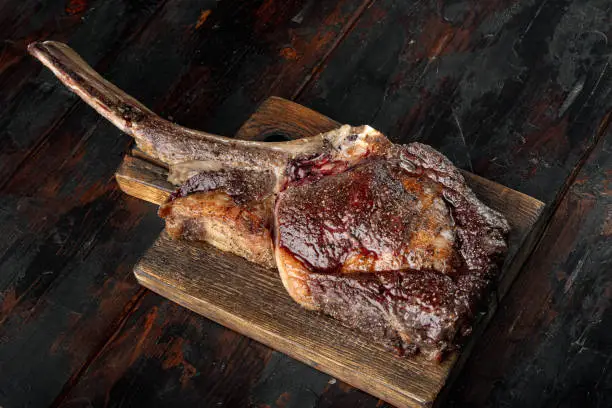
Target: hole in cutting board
[[276, 137]]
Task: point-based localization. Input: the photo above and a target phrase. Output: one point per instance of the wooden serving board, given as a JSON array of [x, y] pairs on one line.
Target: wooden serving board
[[252, 300]]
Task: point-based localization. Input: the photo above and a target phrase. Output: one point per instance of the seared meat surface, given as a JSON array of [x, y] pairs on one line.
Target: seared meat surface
[[396, 246]]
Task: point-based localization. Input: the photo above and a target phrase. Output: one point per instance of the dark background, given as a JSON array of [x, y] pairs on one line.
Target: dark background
[[519, 92]]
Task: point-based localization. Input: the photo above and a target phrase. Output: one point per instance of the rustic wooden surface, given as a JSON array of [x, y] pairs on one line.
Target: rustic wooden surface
[[253, 301], [517, 92]]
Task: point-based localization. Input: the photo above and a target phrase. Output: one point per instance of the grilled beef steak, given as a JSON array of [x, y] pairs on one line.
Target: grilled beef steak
[[388, 239]]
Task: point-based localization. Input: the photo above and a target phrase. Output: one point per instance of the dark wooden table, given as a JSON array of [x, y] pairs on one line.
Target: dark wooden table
[[519, 92]]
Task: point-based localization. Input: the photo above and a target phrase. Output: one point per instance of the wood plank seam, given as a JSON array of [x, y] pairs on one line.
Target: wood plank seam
[[45, 136], [39, 142], [113, 331], [552, 208], [346, 29]]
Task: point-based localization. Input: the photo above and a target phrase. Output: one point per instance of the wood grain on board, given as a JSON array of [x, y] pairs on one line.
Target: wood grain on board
[[253, 301]]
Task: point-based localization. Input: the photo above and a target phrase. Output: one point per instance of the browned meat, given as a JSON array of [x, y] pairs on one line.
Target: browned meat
[[388, 239], [214, 217], [229, 209], [395, 246]]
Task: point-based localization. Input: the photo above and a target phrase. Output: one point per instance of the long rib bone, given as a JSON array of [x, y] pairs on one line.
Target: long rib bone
[[186, 151]]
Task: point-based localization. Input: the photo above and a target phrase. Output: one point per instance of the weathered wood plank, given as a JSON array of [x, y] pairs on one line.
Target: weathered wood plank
[[166, 355], [550, 343], [23, 21], [32, 102], [492, 84], [65, 261], [270, 50], [144, 180], [297, 121]]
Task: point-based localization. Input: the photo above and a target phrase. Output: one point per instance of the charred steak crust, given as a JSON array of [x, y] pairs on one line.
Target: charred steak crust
[[392, 242], [388, 239], [397, 246], [242, 187], [482, 230], [407, 311]]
